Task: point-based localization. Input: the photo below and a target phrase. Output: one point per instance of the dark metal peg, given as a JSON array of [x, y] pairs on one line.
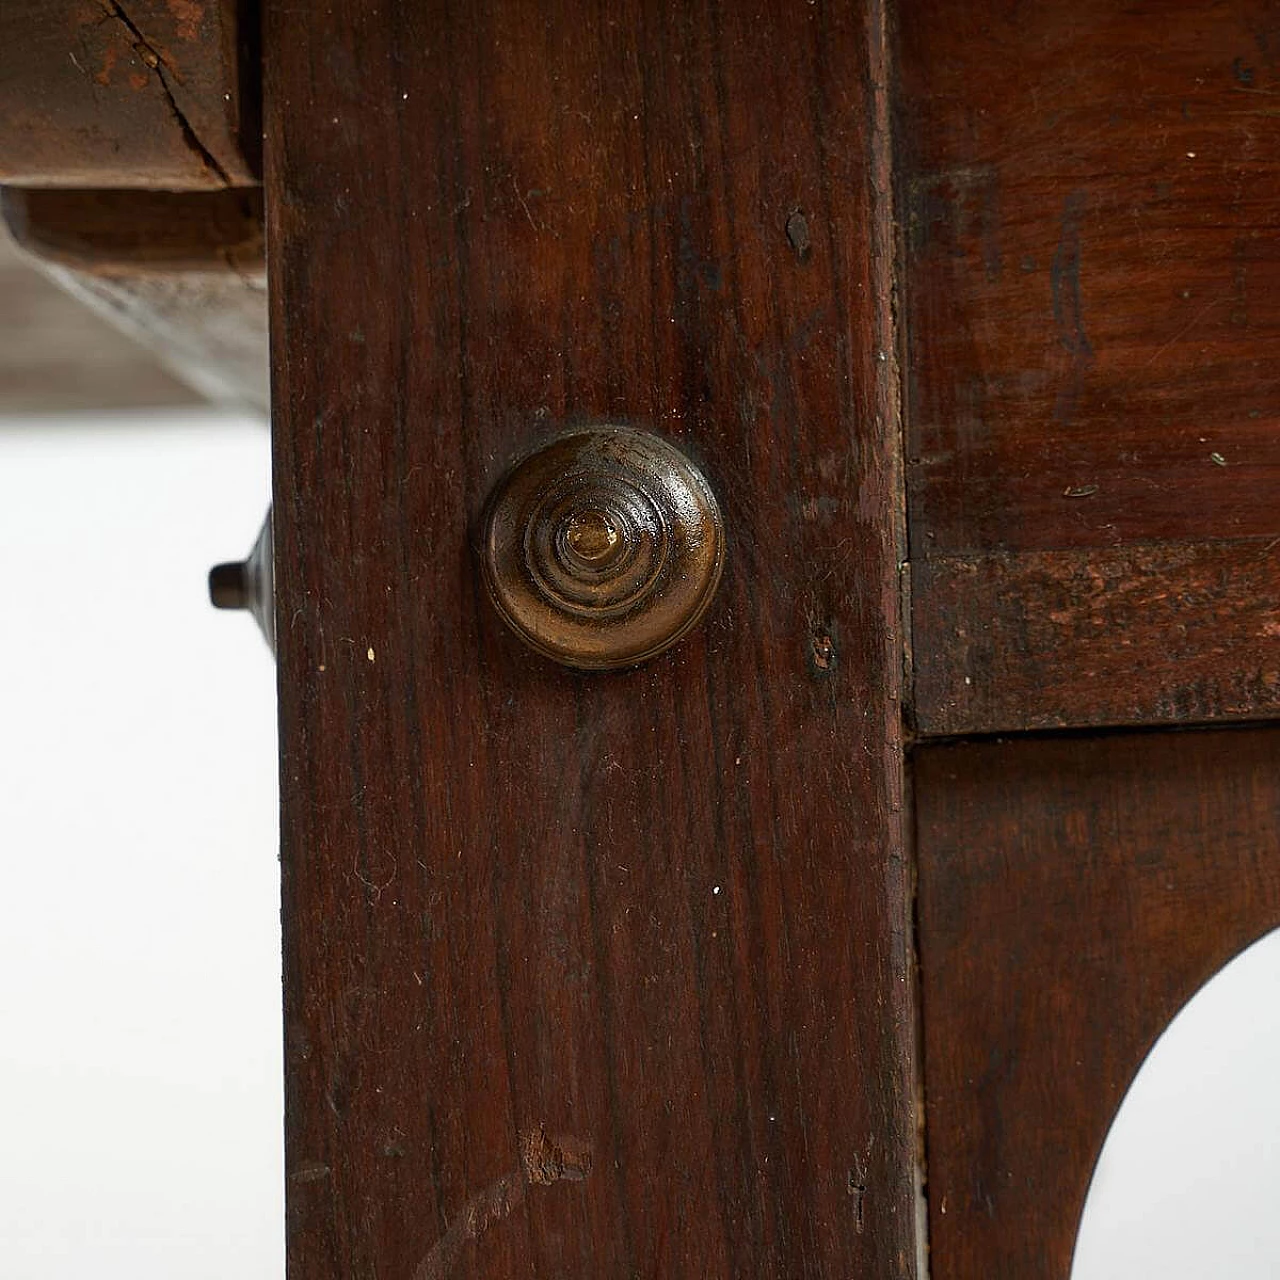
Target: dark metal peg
[[249, 584]]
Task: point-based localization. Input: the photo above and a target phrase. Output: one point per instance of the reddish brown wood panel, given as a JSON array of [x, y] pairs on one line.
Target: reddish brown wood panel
[[588, 975], [1073, 895], [129, 93], [1092, 295], [1093, 277], [1154, 633]]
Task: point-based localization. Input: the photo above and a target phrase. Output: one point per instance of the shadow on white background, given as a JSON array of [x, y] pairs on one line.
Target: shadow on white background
[[140, 1026], [1188, 1183]]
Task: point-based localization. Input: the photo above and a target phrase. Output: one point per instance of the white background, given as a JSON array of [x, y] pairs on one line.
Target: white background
[[140, 1066], [1188, 1184], [140, 1062]]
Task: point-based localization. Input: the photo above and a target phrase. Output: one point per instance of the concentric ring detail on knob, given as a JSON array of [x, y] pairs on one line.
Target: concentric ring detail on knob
[[603, 548]]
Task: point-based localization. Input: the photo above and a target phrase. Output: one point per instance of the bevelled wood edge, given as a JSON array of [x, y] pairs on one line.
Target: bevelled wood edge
[[132, 231], [1147, 634]]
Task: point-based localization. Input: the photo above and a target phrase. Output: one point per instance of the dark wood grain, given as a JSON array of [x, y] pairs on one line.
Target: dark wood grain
[[1159, 633], [1093, 278], [182, 272], [1073, 895], [129, 93], [1092, 302], [588, 975]]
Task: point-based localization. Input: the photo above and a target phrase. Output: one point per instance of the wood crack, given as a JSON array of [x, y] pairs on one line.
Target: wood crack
[[155, 61]]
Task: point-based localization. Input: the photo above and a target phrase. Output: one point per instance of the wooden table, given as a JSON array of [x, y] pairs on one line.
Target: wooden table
[[837, 931]]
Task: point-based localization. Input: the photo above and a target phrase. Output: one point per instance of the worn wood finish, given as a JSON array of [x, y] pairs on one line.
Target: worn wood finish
[[1092, 293], [1155, 633], [1073, 895], [588, 975], [183, 272], [147, 93]]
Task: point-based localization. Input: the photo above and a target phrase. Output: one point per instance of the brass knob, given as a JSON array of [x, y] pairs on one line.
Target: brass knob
[[603, 548]]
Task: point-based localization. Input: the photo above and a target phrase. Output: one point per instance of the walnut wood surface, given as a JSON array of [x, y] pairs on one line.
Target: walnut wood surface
[[1092, 298], [1073, 895], [129, 93], [588, 975]]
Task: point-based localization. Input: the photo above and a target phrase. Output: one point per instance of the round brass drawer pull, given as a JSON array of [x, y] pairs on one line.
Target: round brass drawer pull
[[603, 548]]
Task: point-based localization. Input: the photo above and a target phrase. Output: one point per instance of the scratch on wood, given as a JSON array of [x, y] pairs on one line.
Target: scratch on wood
[[311, 1171], [543, 1160], [857, 1185], [1064, 278]]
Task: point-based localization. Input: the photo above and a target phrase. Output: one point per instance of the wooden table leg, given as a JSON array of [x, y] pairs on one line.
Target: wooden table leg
[[588, 975]]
